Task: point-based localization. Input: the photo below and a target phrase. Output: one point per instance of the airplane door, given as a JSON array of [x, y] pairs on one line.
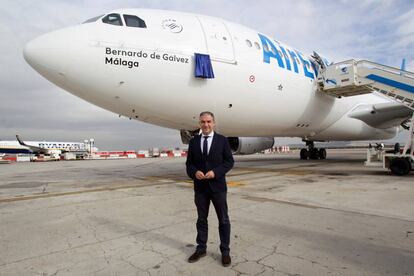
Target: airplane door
[[218, 40]]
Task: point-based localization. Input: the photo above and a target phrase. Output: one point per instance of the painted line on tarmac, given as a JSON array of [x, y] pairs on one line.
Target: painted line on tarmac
[[311, 206], [159, 181], [48, 195]]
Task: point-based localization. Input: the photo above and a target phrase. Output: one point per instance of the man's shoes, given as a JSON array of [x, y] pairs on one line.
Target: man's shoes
[[226, 260], [196, 256]]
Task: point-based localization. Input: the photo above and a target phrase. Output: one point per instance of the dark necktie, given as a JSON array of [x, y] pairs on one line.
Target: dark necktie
[[205, 145]]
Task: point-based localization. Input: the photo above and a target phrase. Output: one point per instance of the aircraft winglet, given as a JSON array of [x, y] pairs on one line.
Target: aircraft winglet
[[403, 64]]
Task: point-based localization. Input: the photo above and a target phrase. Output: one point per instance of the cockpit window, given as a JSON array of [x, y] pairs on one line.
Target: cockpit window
[[93, 19], [113, 19], [134, 21]]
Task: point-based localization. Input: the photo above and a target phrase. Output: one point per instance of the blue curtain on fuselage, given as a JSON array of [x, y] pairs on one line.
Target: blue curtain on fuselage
[[203, 67]]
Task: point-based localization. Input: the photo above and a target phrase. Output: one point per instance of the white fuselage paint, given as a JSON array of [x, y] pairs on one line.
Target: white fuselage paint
[[161, 88]]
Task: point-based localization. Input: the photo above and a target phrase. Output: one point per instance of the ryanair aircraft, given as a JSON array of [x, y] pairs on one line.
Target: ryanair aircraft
[[165, 67], [37, 147]]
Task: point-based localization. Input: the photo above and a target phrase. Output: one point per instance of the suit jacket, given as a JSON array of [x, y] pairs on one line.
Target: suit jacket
[[219, 160]]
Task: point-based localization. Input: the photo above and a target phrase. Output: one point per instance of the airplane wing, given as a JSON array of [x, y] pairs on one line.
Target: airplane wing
[[383, 115], [34, 149]]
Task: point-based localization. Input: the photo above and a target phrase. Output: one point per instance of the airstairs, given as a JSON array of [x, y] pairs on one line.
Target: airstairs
[[351, 78]]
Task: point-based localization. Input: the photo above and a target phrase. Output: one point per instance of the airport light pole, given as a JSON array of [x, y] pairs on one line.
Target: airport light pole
[[86, 142], [91, 142]]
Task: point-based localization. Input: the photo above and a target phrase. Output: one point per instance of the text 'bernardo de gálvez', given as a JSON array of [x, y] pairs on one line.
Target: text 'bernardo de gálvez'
[[129, 58]]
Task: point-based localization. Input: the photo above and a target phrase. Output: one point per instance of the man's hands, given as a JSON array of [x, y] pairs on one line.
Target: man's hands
[[200, 175], [209, 175]]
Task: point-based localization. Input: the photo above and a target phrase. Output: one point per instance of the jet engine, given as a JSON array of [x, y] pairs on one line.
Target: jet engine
[[250, 145]]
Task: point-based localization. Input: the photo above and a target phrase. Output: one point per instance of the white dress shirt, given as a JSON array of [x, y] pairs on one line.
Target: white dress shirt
[[209, 141]]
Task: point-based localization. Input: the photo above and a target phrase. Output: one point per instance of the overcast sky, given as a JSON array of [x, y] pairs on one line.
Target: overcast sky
[[377, 30]]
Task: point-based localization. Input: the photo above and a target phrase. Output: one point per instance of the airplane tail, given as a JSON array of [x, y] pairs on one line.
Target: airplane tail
[[33, 149], [20, 140]]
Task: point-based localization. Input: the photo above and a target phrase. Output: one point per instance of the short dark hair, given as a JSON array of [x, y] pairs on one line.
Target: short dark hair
[[207, 113]]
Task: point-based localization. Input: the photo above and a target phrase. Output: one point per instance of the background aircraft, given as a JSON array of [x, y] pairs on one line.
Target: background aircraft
[[40, 147]]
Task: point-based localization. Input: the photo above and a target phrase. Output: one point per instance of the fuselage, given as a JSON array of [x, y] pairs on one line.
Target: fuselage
[[262, 87]]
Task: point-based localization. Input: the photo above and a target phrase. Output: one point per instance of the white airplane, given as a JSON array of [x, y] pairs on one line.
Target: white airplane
[[142, 64], [40, 147]]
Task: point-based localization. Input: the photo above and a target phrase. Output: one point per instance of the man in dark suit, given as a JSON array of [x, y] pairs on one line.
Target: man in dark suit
[[209, 159]]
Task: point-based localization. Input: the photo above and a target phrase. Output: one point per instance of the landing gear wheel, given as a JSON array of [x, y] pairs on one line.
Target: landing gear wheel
[[304, 154], [400, 166], [322, 153], [314, 154]]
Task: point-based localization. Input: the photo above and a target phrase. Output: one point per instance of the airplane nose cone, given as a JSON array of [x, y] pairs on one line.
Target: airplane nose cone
[[47, 55]]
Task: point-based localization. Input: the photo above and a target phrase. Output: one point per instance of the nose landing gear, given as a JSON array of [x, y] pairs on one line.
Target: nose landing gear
[[312, 152]]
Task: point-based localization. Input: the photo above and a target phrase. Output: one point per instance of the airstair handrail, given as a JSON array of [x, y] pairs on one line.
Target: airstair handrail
[[389, 69]]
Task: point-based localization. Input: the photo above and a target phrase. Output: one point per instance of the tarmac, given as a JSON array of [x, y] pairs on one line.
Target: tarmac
[[137, 217]]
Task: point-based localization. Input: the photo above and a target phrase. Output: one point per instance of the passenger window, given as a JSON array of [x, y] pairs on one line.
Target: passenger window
[[134, 21], [113, 19], [93, 19]]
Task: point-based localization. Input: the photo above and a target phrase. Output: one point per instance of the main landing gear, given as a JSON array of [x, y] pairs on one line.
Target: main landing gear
[[312, 152]]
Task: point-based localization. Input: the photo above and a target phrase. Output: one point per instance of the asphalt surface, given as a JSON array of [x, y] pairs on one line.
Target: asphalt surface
[[137, 217]]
